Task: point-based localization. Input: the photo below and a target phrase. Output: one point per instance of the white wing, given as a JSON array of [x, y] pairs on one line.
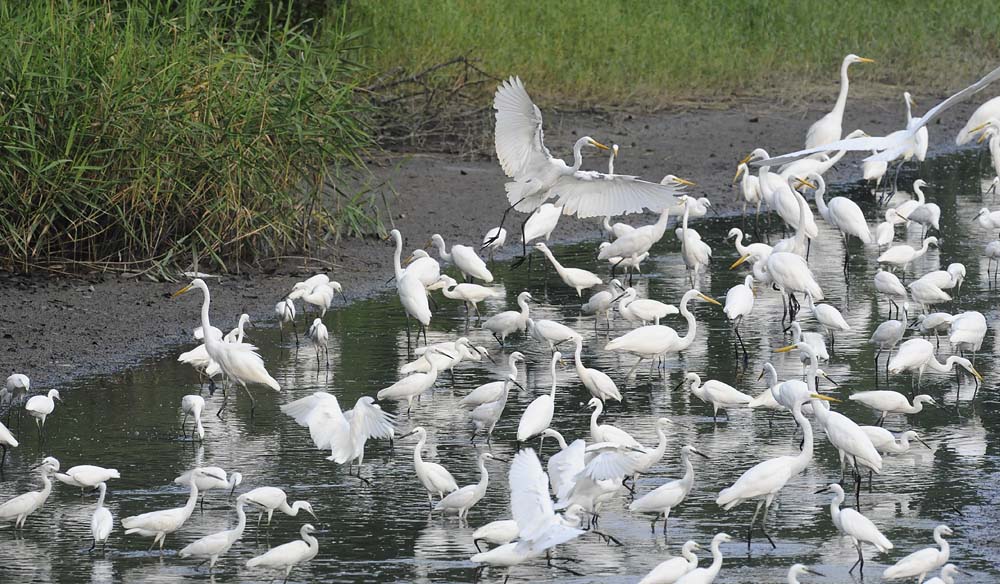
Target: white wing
[[301, 408], [867, 143], [608, 461], [519, 138], [530, 504], [595, 194], [321, 413], [564, 466], [368, 420]]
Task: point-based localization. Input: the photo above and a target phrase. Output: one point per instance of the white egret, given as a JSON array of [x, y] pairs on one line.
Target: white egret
[[644, 310], [192, 405], [490, 392], [765, 399], [948, 279], [797, 570], [506, 323], [158, 524], [829, 318], [465, 498], [799, 242], [285, 311], [708, 575], [828, 128], [216, 544], [445, 355], [101, 522], [816, 341], [919, 563], [926, 294], [652, 341], [485, 417], [856, 526], [608, 433], [540, 528], [40, 406], [7, 441], [598, 383], [344, 433], [464, 258], [638, 241], [208, 478], [601, 303], [469, 294], [434, 477], [885, 231], [537, 417], [412, 385], [617, 230], [967, 331], [15, 389], [412, 291], [936, 323], [902, 255], [843, 214], [671, 569], [494, 239], [791, 274], [498, 532], [551, 332], [980, 117], [739, 304], [541, 223], [425, 268], [319, 336], [721, 395], [643, 461], [891, 402], [904, 209], [271, 499], [16, 510], [320, 295], [87, 476], [288, 555], [575, 278], [992, 253], [947, 575], [695, 252], [752, 252], [886, 443], [566, 465], [662, 499], [874, 171], [918, 355], [238, 361], [749, 188], [779, 195], [888, 284], [926, 215], [885, 338]]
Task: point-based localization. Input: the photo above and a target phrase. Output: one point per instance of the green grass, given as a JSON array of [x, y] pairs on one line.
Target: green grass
[[138, 133], [652, 52]]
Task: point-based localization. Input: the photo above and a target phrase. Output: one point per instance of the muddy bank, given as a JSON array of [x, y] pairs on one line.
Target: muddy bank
[[57, 329]]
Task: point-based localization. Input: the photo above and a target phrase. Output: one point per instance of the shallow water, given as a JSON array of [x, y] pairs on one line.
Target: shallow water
[[384, 533]]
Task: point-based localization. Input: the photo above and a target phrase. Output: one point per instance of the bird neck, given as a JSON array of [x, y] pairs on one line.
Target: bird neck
[[838, 498], [310, 541], [593, 420], [820, 204], [442, 250], [838, 108], [555, 263], [688, 478], [46, 486], [661, 223], [100, 498], [210, 340], [806, 454], [578, 154], [692, 329], [192, 498], [417, 460], [524, 308], [716, 558], [396, 258], [241, 518], [559, 439], [690, 556], [941, 541], [484, 476]]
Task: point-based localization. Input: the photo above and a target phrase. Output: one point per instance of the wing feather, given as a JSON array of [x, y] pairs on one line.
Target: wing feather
[[595, 194], [530, 504], [519, 137]]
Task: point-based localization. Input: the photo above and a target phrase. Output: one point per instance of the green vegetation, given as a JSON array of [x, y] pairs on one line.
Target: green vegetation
[[651, 52], [138, 133]]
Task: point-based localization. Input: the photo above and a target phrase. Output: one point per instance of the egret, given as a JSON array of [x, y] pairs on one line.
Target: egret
[[992, 253], [285, 311], [797, 570], [739, 304], [791, 274], [537, 175], [601, 303], [697, 208], [606, 432], [598, 383], [344, 433], [886, 443], [87, 476], [765, 399], [979, 118], [469, 294], [498, 532], [464, 258], [828, 128], [490, 392], [644, 310], [708, 575], [445, 355], [904, 209], [695, 252], [936, 323], [927, 215], [207, 478], [874, 171], [575, 278], [411, 290], [18, 508], [412, 385], [891, 402], [886, 336], [753, 252], [948, 279], [638, 241], [320, 338], [192, 405], [158, 524], [919, 563], [829, 318], [721, 395], [918, 355], [320, 295], [101, 522], [238, 361], [40, 406], [749, 188], [670, 570], [541, 223], [465, 498], [271, 499], [566, 465], [214, 545], [947, 575], [540, 528], [926, 294], [843, 214], [494, 239], [651, 341], [425, 268], [15, 389], [537, 417], [798, 243], [434, 477], [888, 284], [643, 461], [967, 331], [816, 342], [506, 323], [779, 195], [617, 230], [902, 255], [7, 440], [662, 499], [885, 231], [856, 526], [551, 332], [988, 219], [288, 555]]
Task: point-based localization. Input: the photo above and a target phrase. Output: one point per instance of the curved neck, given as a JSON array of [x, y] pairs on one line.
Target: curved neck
[[800, 233], [661, 223], [690, 556], [555, 263], [396, 262], [192, 498], [523, 303], [417, 460], [484, 476], [593, 419], [772, 375], [692, 329], [806, 454], [820, 204], [920, 194], [740, 248], [716, 557], [210, 340], [578, 154], [688, 478], [553, 393], [838, 108], [838, 498], [241, 517], [941, 541], [46, 486], [513, 369], [100, 499], [310, 541], [559, 438], [442, 251]]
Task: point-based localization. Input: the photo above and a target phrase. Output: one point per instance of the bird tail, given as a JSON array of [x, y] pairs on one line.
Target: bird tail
[[727, 499], [523, 195]]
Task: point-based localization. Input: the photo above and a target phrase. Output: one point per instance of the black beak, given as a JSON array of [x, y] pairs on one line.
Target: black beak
[[407, 435], [342, 295], [487, 355], [705, 456]]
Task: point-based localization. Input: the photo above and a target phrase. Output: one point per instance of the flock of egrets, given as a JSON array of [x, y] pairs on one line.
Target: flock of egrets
[[553, 504]]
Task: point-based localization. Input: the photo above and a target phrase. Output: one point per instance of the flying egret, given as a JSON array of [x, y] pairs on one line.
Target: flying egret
[[537, 417], [606, 432], [540, 528], [829, 318], [671, 494], [465, 498], [601, 303], [469, 294], [412, 291], [413, 385], [506, 323], [575, 278], [856, 526], [550, 332], [271, 499], [40, 406], [238, 361], [891, 402], [158, 524], [649, 342], [980, 117], [644, 310], [671, 569], [464, 258], [101, 522], [216, 544], [598, 383], [828, 128], [434, 477], [87, 476], [918, 355], [320, 338], [739, 304], [947, 575], [494, 239], [708, 575], [919, 563], [886, 443], [16, 510], [344, 433], [490, 392], [288, 555], [721, 395], [192, 405], [797, 570]]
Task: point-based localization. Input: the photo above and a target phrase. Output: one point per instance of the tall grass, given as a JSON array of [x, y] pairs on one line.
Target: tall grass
[[136, 133], [649, 52]]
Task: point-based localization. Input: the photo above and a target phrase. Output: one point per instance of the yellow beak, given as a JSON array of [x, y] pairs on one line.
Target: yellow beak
[[977, 375], [746, 158], [785, 349], [824, 398], [739, 172], [803, 181], [407, 261], [982, 138], [710, 300], [181, 291], [683, 181], [597, 144], [737, 263], [865, 60]]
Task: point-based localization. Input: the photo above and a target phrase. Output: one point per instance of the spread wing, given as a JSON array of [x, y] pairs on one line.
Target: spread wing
[[519, 138], [866, 143], [368, 420], [530, 503], [321, 413], [595, 194]]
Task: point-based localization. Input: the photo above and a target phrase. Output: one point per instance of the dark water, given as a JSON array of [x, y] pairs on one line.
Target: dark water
[[383, 532]]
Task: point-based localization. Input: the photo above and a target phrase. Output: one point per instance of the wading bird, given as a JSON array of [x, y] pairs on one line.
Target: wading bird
[[16, 510], [662, 499], [271, 499], [828, 128], [214, 545], [919, 563], [670, 570], [101, 522], [159, 524], [288, 555], [465, 498], [434, 477], [856, 526]]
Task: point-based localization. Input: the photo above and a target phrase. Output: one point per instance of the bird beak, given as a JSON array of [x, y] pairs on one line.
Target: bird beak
[[684, 181], [737, 263], [912, 101], [215, 476], [407, 435], [445, 353], [979, 127], [181, 291], [679, 385], [865, 60], [823, 490], [342, 295], [827, 377], [710, 300], [963, 571], [514, 381], [761, 376], [699, 453], [926, 445], [982, 138], [824, 397], [407, 261], [597, 144], [500, 458], [231, 491], [617, 298], [787, 349], [746, 159], [739, 170], [810, 570], [487, 355], [972, 370], [314, 515], [804, 182]]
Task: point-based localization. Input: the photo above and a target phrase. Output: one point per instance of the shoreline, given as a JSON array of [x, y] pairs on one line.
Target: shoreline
[[57, 329]]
